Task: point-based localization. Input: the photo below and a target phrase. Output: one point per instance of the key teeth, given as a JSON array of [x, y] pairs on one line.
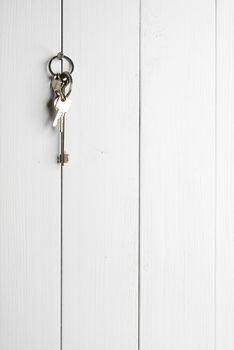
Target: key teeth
[[65, 158]]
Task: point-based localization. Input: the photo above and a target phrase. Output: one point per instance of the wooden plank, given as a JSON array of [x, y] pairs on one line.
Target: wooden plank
[[29, 179], [101, 180], [178, 176], [225, 176]]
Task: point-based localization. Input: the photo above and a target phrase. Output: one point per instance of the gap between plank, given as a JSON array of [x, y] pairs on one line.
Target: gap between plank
[[139, 190], [61, 203], [215, 183]]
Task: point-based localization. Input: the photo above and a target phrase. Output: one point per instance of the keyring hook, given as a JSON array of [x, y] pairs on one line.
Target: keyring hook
[[60, 56]]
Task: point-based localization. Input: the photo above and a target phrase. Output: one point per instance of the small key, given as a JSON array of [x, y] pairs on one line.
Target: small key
[[62, 84], [58, 86], [62, 108], [56, 83]]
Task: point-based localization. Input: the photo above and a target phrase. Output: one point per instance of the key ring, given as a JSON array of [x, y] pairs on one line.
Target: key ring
[[60, 56]]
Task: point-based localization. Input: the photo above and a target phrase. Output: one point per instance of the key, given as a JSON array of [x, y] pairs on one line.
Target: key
[[63, 157], [67, 84], [61, 84], [56, 83], [58, 86], [62, 108]]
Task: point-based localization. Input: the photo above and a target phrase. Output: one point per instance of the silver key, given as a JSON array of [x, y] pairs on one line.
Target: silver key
[[61, 84], [63, 157], [62, 108], [56, 84]]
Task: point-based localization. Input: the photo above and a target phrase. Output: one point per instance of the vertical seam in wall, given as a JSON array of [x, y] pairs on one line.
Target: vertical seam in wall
[[139, 188], [61, 204], [215, 186], [61, 263]]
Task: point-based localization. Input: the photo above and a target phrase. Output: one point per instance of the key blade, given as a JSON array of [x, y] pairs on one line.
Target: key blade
[[58, 116]]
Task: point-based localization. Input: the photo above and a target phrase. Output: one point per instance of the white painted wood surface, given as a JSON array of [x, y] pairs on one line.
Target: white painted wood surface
[[187, 169], [225, 177], [101, 181], [29, 179], [178, 175]]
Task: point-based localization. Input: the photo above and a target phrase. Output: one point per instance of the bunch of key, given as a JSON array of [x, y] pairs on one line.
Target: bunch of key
[[61, 84]]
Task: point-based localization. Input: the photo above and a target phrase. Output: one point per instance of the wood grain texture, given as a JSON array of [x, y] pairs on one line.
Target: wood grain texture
[[29, 178], [178, 175], [101, 180], [225, 177]]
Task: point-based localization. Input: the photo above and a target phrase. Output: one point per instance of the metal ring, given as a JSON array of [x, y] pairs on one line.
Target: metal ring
[[60, 56]]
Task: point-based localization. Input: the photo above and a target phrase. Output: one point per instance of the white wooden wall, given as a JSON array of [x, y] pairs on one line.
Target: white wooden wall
[[178, 175], [148, 195]]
